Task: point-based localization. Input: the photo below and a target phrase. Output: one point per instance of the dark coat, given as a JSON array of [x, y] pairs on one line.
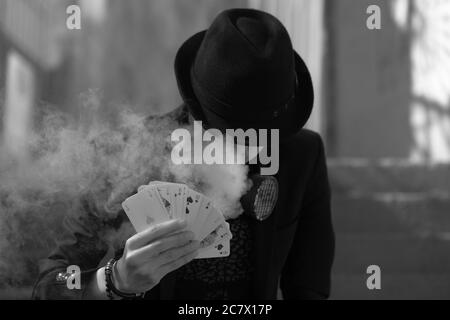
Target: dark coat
[[294, 247]]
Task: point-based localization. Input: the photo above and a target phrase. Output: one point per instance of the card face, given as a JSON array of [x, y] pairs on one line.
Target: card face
[[183, 203], [212, 221], [160, 196], [220, 249], [202, 215], [144, 209], [166, 199], [192, 205], [220, 233], [174, 194], [170, 193], [224, 232], [179, 195]]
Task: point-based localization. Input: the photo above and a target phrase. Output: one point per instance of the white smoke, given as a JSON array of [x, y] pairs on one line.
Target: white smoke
[[110, 159]]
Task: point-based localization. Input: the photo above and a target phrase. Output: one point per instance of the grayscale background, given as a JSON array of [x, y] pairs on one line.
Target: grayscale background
[[382, 107]]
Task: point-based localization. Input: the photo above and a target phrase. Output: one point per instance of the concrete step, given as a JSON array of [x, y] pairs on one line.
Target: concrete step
[[393, 286], [364, 176], [420, 214], [394, 253], [396, 215]]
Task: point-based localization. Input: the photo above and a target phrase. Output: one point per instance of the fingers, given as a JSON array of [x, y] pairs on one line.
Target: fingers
[[157, 247], [156, 231], [175, 253], [183, 259]]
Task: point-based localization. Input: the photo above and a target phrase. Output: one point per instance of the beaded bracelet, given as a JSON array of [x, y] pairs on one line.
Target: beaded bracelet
[[111, 289]]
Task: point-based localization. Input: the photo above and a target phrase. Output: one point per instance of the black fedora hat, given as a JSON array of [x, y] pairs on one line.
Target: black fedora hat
[[242, 72]]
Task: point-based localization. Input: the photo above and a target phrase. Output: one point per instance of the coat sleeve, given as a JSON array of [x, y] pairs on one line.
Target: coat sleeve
[[80, 245], [307, 271]]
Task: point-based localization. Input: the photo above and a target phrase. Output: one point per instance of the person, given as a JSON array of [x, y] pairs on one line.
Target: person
[[241, 72]]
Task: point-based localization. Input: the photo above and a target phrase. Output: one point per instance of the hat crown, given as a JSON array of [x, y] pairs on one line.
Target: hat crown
[[254, 31], [245, 61]]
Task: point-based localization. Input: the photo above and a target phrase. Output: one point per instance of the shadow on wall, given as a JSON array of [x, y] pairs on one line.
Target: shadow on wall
[[369, 81], [388, 89]]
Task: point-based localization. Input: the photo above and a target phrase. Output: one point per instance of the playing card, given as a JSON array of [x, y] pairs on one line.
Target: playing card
[[217, 250], [176, 201], [166, 198], [219, 234], [183, 203], [160, 196], [212, 221], [201, 216], [224, 232], [192, 205], [144, 209], [171, 194]]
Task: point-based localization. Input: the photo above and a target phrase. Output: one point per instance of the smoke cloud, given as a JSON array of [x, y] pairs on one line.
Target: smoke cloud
[[109, 159]]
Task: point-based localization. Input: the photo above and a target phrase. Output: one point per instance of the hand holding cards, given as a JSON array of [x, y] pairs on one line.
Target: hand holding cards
[[162, 201]]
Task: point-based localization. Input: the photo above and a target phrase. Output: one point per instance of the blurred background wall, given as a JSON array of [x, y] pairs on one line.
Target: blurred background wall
[[382, 106]]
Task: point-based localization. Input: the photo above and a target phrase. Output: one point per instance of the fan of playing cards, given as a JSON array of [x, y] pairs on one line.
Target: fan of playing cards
[[161, 201]]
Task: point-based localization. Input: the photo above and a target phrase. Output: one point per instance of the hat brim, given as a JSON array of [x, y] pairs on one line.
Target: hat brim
[[288, 122]]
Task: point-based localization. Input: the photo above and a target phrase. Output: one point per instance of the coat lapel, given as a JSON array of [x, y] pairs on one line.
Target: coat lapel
[[264, 236], [265, 242]]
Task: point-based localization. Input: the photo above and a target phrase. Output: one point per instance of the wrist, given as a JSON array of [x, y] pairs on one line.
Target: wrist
[[112, 291], [117, 279]]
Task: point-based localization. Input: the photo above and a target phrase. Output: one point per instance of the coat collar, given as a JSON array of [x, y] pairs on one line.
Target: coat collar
[[264, 239]]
